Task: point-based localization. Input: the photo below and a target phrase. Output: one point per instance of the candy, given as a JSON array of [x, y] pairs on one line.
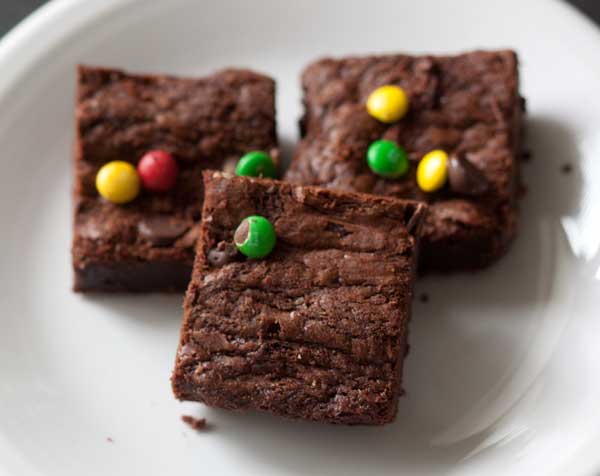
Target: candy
[[388, 103], [256, 164], [255, 237], [432, 171], [118, 182], [388, 159], [158, 171]]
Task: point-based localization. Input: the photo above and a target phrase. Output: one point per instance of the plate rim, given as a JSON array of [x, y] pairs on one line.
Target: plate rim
[[20, 50]]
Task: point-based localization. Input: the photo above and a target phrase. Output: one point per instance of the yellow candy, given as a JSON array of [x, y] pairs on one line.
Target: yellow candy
[[388, 104], [118, 182], [432, 171]]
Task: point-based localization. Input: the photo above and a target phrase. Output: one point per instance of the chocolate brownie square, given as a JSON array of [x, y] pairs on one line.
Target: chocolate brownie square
[[317, 329], [148, 244], [468, 105]]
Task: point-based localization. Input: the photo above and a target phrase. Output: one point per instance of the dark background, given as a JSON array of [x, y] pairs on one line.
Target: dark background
[[12, 11]]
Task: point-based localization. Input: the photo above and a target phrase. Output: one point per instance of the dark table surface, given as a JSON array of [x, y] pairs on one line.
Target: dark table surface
[[12, 11]]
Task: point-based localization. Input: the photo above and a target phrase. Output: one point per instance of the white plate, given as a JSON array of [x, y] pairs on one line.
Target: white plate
[[503, 373]]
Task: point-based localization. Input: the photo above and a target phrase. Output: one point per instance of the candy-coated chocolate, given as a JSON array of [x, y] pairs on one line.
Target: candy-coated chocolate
[[255, 237], [388, 103], [432, 171], [466, 178], [118, 182], [158, 171], [256, 164], [388, 159]]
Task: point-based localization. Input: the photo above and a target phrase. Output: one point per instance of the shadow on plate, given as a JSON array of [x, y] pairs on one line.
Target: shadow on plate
[[287, 147], [155, 310]]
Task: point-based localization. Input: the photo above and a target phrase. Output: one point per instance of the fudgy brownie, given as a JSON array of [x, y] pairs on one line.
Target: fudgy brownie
[[317, 329], [148, 244], [468, 105]]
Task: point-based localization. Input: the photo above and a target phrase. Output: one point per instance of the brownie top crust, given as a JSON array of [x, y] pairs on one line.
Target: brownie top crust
[[121, 116], [309, 219], [468, 105], [204, 123]]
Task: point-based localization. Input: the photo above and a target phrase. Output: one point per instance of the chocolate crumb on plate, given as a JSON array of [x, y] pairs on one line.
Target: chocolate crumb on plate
[[193, 422], [424, 297]]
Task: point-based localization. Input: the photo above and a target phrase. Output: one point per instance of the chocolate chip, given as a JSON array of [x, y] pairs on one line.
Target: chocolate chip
[[221, 255], [465, 178], [162, 230]]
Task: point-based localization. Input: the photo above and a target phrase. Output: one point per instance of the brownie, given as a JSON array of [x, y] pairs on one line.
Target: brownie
[[467, 105], [148, 244], [316, 330]]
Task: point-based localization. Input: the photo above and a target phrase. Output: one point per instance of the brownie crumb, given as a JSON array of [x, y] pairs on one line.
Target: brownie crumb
[[566, 168], [424, 297], [109, 439], [194, 423]]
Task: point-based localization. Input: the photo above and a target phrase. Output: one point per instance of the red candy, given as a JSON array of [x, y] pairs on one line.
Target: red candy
[[158, 171]]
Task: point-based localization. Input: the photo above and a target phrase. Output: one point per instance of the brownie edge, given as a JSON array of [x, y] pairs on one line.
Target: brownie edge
[[318, 329]]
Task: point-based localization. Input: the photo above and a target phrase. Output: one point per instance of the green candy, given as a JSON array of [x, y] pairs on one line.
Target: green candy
[[388, 159], [256, 164], [255, 237]]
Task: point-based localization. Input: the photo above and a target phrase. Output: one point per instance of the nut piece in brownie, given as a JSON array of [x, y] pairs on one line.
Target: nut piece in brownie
[[188, 125], [317, 329], [467, 105]]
